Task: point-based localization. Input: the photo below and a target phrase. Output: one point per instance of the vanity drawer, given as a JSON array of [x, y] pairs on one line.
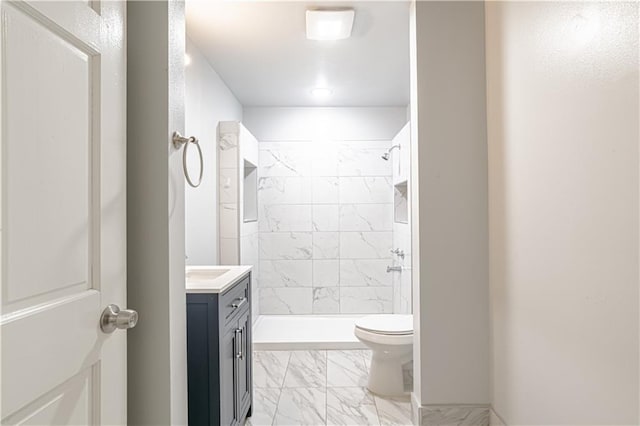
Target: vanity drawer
[[234, 300]]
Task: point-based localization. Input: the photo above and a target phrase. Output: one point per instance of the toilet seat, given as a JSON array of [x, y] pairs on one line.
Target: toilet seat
[[386, 324], [384, 339]]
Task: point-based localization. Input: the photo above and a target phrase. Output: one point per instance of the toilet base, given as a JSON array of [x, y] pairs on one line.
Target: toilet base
[[389, 353], [386, 376]]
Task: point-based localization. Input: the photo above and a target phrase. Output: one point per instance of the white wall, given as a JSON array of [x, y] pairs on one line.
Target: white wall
[[311, 123], [449, 211], [208, 101], [563, 112]]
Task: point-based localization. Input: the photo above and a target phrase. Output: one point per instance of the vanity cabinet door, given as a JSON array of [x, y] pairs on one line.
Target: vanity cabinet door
[[228, 388], [243, 365]]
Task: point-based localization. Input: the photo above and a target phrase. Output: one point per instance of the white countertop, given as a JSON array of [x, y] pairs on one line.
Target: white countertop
[[213, 279]]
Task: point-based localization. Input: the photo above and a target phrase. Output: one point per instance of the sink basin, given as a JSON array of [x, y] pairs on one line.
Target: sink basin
[[199, 275], [213, 278]]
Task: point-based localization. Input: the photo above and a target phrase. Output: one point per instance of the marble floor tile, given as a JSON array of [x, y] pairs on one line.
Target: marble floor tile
[[394, 411], [301, 406], [351, 406], [265, 402], [367, 354], [318, 387], [269, 368], [346, 369], [307, 369]]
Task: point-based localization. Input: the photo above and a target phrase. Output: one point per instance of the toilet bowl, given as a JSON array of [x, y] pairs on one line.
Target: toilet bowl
[[390, 338]]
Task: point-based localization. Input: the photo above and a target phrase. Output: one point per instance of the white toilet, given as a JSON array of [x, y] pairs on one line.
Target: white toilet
[[390, 338]]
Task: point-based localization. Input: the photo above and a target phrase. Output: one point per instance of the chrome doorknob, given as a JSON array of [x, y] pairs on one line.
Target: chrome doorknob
[[112, 318]]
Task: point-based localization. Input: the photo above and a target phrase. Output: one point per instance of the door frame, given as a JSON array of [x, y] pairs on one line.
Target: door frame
[[157, 363]]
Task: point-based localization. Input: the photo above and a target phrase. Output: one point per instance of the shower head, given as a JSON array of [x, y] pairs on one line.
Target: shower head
[[387, 154]]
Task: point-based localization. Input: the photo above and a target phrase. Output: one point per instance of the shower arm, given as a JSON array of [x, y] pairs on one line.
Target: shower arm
[[393, 147], [387, 154]]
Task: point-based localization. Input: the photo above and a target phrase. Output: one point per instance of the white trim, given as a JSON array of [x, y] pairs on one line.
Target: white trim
[[415, 408], [482, 412]]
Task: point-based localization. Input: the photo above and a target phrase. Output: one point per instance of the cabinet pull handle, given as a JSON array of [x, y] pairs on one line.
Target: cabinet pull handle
[[239, 302], [237, 342], [242, 343]]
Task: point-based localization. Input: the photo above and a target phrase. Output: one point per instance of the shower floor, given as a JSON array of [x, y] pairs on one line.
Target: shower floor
[[296, 332]]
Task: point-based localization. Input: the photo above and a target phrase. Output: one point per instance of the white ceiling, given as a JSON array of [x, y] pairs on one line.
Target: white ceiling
[[260, 50]]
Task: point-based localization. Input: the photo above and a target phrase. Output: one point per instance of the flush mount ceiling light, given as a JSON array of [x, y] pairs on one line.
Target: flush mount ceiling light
[[329, 24]]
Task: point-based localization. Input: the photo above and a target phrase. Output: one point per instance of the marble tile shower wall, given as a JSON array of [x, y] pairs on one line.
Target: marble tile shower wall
[[402, 281], [325, 225], [402, 231]]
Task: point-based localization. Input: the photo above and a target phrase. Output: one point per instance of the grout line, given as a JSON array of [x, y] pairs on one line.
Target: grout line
[[375, 404], [273, 420], [373, 396], [326, 387], [340, 258]]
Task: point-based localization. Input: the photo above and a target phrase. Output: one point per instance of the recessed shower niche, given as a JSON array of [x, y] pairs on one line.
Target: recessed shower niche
[[250, 192], [400, 203]]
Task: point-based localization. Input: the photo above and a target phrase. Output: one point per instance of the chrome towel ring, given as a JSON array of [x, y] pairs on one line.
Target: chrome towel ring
[[178, 141]]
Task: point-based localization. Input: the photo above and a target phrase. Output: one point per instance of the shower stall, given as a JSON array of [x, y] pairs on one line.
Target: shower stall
[[321, 219]]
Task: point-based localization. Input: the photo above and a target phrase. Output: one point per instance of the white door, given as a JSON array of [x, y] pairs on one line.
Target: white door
[[63, 211]]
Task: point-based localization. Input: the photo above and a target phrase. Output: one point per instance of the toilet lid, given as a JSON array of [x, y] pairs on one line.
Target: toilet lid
[[386, 324]]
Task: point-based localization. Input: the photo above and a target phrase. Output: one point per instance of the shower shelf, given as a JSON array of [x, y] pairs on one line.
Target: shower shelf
[[401, 202]]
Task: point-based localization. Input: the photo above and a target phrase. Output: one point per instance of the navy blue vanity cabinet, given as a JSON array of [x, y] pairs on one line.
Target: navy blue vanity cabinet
[[219, 355]]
